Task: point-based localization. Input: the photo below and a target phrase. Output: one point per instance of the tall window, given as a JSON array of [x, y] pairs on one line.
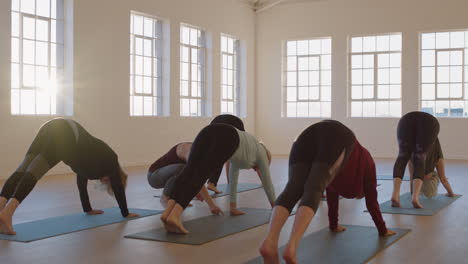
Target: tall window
[[375, 74], [307, 89], [230, 83], [145, 66], [444, 73], [37, 56], [192, 71]]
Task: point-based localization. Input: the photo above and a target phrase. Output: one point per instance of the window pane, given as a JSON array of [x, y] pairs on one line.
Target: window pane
[[302, 47], [457, 39], [148, 27], [138, 26], [15, 50], [443, 40], [28, 6], [14, 24], [356, 44], [315, 46], [292, 48], [28, 51], [29, 27], [395, 42], [28, 102], [43, 8], [368, 109], [326, 46], [356, 92], [428, 41], [428, 92], [42, 53], [15, 76], [356, 109], [428, 58], [369, 44], [383, 43]]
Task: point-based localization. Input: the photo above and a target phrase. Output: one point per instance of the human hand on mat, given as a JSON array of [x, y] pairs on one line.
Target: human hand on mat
[[216, 210], [131, 215], [450, 194], [95, 212], [389, 233], [339, 229], [236, 212]]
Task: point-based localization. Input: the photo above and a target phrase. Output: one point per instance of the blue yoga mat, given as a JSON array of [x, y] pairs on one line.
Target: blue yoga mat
[[50, 227], [431, 205], [356, 245]]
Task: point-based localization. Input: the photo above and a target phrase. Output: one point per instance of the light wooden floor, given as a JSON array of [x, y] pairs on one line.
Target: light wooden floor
[[438, 239]]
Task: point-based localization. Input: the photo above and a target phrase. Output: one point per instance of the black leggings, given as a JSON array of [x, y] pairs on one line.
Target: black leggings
[[213, 146], [229, 120], [226, 119], [312, 156], [53, 143], [417, 132]]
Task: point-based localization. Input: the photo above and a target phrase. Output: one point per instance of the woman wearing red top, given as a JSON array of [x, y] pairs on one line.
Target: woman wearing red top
[[325, 156]]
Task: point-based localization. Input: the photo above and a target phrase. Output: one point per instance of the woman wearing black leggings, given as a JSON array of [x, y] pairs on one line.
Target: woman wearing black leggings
[[417, 135], [236, 122], [213, 146], [315, 164], [64, 140]]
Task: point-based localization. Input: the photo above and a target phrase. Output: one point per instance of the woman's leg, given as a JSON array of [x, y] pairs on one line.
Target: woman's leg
[[212, 147], [160, 177], [406, 141], [283, 207], [36, 169], [317, 180], [427, 130]]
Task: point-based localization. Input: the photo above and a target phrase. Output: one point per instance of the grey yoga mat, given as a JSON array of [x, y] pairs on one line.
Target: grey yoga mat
[[50, 227], [358, 244], [431, 205], [241, 187], [209, 228]]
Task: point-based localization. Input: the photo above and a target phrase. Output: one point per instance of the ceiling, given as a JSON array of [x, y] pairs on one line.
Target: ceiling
[[261, 5]]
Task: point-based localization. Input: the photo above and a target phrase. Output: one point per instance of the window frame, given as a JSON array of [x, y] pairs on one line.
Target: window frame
[[59, 66], [157, 49], [375, 69], [202, 49], [320, 70], [236, 87], [436, 83]]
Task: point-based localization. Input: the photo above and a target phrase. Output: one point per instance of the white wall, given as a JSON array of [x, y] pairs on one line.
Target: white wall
[[101, 77], [339, 19]]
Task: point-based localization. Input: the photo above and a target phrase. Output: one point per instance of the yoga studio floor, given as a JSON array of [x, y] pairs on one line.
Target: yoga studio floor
[[441, 238]]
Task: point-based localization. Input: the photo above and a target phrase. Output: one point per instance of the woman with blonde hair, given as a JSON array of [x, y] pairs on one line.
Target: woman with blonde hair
[[89, 157]]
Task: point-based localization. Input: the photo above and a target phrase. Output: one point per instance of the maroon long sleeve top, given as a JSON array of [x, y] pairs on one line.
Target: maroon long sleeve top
[[356, 179]]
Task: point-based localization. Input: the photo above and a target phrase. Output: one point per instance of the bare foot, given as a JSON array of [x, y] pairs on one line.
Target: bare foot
[[417, 204], [395, 203], [174, 225], [289, 254], [236, 212], [269, 252], [214, 189], [6, 224]]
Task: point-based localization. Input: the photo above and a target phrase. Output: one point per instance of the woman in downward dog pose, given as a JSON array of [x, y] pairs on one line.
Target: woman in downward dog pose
[[236, 122], [418, 143], [213, 146], [64, 140], [327, 156]]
